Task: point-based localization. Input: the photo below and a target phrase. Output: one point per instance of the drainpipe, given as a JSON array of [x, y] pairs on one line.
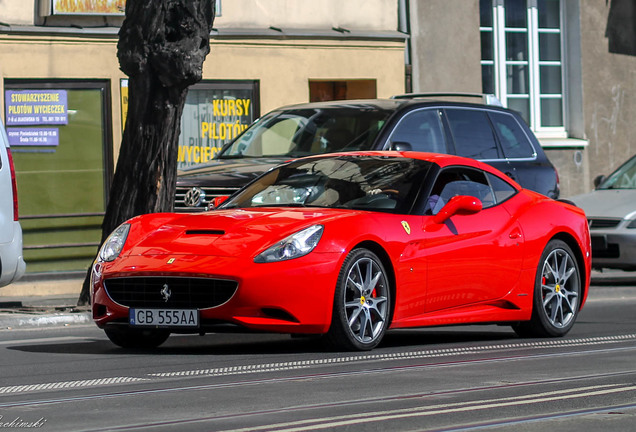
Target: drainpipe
[[404, 27]]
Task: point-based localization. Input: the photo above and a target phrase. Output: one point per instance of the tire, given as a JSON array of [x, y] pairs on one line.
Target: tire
[[557, 293], [362, 303], [136, 338]]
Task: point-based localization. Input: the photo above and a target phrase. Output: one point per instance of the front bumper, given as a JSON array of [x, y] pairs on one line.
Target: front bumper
[[293, 296], [614, 247]]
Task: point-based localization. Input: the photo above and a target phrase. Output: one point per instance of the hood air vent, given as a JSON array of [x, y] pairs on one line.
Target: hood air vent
[[204, 232]]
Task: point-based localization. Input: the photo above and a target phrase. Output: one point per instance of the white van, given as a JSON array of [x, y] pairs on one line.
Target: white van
[[12, 264]]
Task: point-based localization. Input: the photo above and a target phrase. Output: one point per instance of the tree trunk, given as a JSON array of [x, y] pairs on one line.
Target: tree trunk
[[162, 46]]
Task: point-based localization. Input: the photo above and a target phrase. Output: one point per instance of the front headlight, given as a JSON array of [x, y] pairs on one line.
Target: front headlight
[[294, 246], [632, 224], [114, 243]]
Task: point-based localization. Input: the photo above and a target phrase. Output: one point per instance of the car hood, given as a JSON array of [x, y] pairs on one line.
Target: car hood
[[227, 172], [607, 203], [222, 232]]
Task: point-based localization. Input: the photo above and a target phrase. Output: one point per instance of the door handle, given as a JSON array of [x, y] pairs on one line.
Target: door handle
[[515, 234]]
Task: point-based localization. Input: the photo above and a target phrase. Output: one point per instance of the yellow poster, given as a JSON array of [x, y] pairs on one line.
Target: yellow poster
[[89, 7], [123, 88]]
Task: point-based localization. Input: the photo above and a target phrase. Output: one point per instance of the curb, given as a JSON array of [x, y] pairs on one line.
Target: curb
[[11, 321]]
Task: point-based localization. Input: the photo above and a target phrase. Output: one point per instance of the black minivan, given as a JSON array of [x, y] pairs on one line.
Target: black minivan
[[426, 123]]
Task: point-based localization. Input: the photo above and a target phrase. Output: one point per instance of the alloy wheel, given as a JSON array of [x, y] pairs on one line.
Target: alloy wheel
[[560, 288], [366, 300]]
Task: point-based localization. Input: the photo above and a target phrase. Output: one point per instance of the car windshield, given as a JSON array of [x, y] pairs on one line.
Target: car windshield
[[303, 132], [378, 183], [623, 178]]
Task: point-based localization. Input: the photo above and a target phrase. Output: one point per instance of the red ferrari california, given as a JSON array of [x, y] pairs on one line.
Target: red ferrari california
[[348, 246]]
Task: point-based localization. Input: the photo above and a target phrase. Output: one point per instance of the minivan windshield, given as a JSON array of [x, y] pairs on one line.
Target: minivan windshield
[[309, 131]]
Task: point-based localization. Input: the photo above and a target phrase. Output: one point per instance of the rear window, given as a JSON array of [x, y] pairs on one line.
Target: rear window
[[472, 134]]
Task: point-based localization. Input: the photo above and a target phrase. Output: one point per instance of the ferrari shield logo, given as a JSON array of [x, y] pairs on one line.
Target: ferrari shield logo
[[171, 260], [406, 227]]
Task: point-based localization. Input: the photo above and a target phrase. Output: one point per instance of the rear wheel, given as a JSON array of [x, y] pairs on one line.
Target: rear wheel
[[361, 304], [557, 293], [136, 338]]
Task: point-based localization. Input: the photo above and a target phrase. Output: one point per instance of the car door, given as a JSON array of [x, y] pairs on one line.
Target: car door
[[470, 258]]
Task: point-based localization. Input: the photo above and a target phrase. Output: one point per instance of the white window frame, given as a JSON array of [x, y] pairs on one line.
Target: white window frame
[[500, 64]]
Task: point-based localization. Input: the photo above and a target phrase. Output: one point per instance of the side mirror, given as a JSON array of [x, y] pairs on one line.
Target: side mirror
[[401, 146], [598, 180], [217, 201], [458, 205]]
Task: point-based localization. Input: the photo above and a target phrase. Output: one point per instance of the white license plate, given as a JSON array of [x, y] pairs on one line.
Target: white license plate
[[164, 317]]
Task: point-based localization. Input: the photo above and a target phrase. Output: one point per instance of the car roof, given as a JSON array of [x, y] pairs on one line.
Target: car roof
[[388, 104], [400, 101]]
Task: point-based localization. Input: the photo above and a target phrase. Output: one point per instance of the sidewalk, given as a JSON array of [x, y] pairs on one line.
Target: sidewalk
[[47, 304], [42, 304]]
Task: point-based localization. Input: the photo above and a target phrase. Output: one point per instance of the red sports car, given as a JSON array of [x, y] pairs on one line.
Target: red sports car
[[348, 246]]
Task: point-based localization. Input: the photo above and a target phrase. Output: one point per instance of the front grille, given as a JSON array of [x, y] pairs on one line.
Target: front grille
[[170, 292], [603, 223], [196, 199]]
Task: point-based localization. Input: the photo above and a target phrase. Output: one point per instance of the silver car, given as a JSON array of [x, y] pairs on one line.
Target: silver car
[[12, 264], [611, 214]]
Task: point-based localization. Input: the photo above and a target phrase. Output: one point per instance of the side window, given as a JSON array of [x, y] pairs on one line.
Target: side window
[[472, 134], [421, 129], [514, 142], [502, 189], [452, 182]]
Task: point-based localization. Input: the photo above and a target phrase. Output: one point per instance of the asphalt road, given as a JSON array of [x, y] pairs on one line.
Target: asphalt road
[[451, 379]]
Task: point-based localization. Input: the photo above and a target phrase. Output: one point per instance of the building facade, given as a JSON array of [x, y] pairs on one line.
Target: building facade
[[569, 66], [64, 98]]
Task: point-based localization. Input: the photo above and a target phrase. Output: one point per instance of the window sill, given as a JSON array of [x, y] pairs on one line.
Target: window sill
[[555, 143]]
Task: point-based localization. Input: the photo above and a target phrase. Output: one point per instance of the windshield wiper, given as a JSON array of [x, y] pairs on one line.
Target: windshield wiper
[[282, 205], [222, 156]]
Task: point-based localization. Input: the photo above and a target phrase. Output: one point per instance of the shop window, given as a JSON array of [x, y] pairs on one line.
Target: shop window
[[215, 113], [322, 90], [60, 139]]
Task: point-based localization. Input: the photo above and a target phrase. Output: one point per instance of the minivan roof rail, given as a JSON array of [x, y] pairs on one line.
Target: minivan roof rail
[[487, 98]]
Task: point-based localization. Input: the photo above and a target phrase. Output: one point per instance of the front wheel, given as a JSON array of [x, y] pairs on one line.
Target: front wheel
[[361, 304], [557, 293], [136, 338]]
